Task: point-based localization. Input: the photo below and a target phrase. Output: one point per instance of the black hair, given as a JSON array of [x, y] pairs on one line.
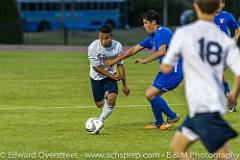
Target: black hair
[[151, 15], [106, 29]]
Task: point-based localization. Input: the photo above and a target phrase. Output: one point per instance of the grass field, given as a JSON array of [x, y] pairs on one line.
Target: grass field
[[45, 99]]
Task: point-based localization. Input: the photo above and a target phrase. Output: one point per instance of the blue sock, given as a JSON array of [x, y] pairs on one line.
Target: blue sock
[[157, 111], [164, 107], [226, 87]]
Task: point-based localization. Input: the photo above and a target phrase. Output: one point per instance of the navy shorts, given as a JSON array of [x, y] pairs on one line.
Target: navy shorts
[[167, 82], [210, 128], [101, 86]]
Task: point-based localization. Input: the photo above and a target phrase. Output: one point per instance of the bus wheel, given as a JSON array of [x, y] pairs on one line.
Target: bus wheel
[[43, 26], [110, 23]]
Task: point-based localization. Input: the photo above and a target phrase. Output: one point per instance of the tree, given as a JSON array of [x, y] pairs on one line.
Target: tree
[[175, 8], [10, 23]]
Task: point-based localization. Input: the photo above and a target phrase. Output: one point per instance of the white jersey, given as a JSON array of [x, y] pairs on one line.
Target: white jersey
[[97, 54], [206, 50]]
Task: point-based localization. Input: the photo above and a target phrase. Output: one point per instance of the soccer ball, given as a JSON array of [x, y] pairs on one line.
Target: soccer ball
[[94, 125]]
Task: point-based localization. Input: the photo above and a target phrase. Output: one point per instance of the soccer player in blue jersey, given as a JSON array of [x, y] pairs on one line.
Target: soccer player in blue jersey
[[225, 21], [158, 40]]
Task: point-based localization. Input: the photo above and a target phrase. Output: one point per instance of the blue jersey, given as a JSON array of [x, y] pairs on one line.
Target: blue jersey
[[161, 37], [225, 21]]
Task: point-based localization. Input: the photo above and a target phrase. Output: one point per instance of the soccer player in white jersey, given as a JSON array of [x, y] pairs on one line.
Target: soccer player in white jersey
[[104, 79], [205, 50]]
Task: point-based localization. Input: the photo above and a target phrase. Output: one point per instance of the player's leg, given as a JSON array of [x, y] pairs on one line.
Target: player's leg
[[162, 84], [110, 86], [154, 97], [213, 131], [151, 93], [159, 105], [225, 150], [183, 139], [180, 145], [98, 92]]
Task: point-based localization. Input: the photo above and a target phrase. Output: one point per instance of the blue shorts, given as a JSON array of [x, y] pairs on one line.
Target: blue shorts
[[167, 82], [100, 87], [210, 128]]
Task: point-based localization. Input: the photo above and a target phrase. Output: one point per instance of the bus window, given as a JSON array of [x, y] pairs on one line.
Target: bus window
[[88, 6], [115, 5], [24, 6], [40, 6], [56, 6], [32, 7], [48, 6], [95, 6], [102, 6], [108, 6], [79, 6], [68, 6]]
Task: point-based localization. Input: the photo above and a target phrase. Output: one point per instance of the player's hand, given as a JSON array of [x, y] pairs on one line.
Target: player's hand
[[140, 60], [108, 62], [126, 90], [231, 101], [116, 77]]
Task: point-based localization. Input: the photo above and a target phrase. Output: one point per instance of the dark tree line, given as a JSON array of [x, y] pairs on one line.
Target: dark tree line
[[10, 23], [175, 8]]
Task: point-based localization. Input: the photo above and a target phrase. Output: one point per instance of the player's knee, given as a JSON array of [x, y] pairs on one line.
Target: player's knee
[[178, 147], [149, 95], [99, 104], [112, 99], [176, 150]]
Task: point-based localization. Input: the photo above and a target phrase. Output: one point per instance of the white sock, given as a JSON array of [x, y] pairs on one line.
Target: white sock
[[107, 110]]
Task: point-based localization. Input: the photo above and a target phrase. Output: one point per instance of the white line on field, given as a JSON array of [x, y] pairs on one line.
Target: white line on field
[[81, 107], [76, 107]]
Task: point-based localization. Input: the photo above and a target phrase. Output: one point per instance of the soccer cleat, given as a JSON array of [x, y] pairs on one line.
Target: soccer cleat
[[174, 120], [151, 126], [165, 126]]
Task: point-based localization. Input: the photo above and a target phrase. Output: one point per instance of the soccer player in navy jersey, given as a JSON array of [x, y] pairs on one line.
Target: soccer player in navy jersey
[[158, 40], [104, 79], [226, 21]]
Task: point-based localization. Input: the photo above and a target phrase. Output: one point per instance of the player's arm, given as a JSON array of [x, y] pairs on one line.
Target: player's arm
[[232, 60], [128, 53], [100, 70], [234, 25], [122, 73], [96, 64], [237, 34], [173, 53], [161, 51], [236, 88]]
